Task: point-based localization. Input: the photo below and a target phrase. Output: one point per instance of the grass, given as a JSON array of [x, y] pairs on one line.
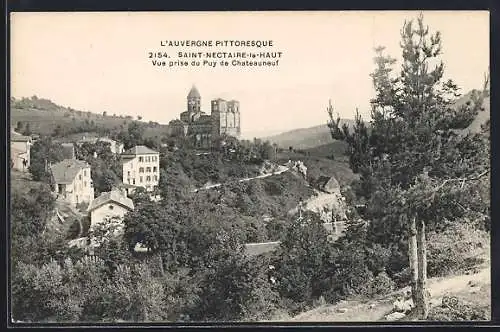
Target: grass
[[21, 182], [44, 122], [318, 165]]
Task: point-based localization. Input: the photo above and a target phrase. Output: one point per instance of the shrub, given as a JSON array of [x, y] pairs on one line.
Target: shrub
[[459, 311], [381, 284], [456, 249], [82, 206]]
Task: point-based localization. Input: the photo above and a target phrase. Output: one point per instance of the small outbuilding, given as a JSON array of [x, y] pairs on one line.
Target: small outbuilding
[[113, 204], [328, 184]]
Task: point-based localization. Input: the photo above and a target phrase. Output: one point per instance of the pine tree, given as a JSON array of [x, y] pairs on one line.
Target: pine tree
[[418, 157]]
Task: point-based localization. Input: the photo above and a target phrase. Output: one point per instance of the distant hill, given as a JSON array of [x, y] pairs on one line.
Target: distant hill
[[44, 115], [306, 138], [481, 118]]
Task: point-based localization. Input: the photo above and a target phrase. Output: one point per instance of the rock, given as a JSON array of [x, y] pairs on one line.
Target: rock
[[434, 302], [342, 310], [395, 316]]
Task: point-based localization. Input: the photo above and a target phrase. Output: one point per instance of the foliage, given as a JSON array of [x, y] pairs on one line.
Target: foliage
[[105, 167], [460, 312], [44, 152], [300, 259], [456, 249], [236, 289], [412, 162]]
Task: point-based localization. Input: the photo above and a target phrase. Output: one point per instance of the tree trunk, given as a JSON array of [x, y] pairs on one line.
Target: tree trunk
[[413, 257], [422, 303]]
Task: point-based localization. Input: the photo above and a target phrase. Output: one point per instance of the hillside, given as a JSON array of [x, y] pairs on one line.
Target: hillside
[[481, 118], [44, 115], [305, 138]]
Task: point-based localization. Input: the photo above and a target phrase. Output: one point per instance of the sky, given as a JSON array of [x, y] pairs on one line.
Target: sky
[[99, 61]]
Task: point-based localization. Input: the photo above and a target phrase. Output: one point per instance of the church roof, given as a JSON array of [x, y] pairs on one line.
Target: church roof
[[204, 118], [194, 93]]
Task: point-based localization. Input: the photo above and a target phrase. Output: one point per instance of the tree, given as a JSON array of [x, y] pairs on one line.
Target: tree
[[27, 130], [300, 259], [104, 114], [139, 117], [418, 165], [44, 152]]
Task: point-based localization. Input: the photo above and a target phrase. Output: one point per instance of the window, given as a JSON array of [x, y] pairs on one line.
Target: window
[[148, 169], [140, 179], [85, 184], [111, 207], [156, 178], [154, 169], [148, 178], [133, 181], [84, 172], [148, 159], [128, 174], [141, 169], [141, 159]]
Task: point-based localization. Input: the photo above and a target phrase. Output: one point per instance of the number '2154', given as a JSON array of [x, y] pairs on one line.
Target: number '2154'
[[158, 55]]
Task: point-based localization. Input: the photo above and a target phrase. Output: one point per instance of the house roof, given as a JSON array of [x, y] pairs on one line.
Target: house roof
[[114, 196], [16, 137], [254, 249], [328, 180], [66, 170], [108, 140], [88, 138], [139, 149]]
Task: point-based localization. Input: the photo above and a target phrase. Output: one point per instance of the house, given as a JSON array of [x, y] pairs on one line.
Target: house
[[113, 204], [20, 147], [72, 181], [328, 184], [141, 167]]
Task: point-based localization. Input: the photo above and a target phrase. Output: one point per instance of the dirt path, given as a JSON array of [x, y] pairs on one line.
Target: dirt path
[[281, 169], [375, 310]]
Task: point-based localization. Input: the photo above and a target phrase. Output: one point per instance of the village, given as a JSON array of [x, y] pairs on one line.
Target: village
[[73, 188], [356, 188]]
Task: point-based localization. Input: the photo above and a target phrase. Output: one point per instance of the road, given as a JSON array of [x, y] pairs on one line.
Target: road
[[281, 169]]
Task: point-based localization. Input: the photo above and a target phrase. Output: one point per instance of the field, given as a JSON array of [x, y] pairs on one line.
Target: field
[[43, 121]]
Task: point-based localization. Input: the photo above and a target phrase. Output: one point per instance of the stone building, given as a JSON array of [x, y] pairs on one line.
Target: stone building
[[113, 204], [20, 147], [224, 119], [73, 181], [141, 168]]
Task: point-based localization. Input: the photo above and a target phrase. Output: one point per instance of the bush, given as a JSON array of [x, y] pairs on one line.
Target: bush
[[82, 206], [456, 249], [381, 284], [459, 311]]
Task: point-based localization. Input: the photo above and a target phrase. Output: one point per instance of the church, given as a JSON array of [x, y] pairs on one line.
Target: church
[[224, 119]]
